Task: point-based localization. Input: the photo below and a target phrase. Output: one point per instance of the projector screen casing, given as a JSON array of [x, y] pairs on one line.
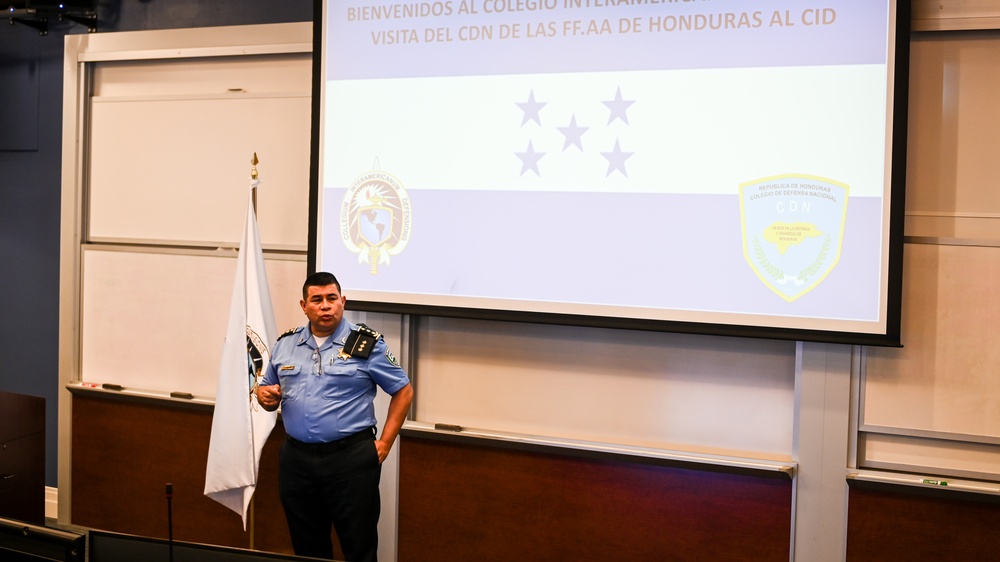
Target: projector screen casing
[[615, 226]]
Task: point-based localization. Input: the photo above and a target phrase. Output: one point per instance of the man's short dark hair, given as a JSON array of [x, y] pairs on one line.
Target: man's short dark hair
[[320, 279]]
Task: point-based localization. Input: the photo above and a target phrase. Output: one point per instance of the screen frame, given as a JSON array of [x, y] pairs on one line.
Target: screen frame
[[898, 81]]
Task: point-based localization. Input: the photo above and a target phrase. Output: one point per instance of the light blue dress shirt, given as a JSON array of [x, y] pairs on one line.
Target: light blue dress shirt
[[324, 396]]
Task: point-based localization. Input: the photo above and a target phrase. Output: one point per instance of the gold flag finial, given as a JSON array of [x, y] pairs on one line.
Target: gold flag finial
[[253, 164]]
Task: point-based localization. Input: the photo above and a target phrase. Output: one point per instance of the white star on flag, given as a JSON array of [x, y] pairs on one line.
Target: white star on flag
[[529, 159], [531, 109], [573, 134], [618, 107], [616, 160]]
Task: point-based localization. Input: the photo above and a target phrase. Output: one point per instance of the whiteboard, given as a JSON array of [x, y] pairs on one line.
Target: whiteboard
[[171, 144], [954, 129], [934, 404], [169, 164], [727, 396], [157, 321], [945, 378]]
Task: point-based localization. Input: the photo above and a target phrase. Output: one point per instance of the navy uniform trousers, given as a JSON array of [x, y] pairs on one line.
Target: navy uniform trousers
[[332, 484]]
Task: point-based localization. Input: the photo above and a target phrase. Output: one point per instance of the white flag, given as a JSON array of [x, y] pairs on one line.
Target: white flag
[[239, 425]]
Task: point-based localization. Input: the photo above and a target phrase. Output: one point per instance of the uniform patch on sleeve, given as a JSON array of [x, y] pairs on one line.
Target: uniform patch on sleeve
[[390, 357]]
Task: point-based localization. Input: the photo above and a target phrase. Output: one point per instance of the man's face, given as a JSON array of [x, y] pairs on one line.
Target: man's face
[[324, 307]]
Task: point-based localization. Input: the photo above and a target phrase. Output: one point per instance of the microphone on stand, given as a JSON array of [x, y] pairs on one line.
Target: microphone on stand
[[170, 522]]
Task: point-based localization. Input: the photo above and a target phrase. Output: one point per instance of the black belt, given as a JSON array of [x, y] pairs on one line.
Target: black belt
[[333, 446]]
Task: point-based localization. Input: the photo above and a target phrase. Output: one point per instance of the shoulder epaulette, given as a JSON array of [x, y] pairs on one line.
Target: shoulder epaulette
[[361, 341], [287, 333], [364, 329]]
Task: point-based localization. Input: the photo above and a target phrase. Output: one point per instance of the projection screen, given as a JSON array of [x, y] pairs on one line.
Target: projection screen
[[706, 166]]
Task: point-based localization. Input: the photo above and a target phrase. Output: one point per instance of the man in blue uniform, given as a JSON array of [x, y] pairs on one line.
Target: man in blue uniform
[[324, 376]]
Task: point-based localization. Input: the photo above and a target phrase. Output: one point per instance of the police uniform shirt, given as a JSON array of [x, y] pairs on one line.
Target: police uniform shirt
[[326, 395]]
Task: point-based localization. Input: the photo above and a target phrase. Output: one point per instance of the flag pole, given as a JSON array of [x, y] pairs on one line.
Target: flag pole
[[253, 181], [240, 428], [253, 191]]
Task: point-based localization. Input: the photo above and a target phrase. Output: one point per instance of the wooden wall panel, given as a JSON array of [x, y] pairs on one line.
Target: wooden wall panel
[[480, 500], [126, 450], [918, 525], [22, 457]]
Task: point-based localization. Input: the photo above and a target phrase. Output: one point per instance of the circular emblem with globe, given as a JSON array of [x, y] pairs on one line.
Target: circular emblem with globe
[[375, 218]]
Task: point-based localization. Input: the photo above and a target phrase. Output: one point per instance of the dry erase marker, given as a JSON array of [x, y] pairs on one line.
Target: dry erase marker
[[935, 482], [88, 385]]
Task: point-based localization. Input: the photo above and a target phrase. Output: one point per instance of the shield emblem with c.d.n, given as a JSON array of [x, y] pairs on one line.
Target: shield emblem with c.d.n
[[793, 227]]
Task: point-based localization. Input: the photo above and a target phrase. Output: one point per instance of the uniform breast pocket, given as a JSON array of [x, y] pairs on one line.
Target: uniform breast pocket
[[342, 379], [288, 377]]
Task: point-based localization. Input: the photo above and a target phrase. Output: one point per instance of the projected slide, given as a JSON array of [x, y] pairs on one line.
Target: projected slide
[[709, 161]]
